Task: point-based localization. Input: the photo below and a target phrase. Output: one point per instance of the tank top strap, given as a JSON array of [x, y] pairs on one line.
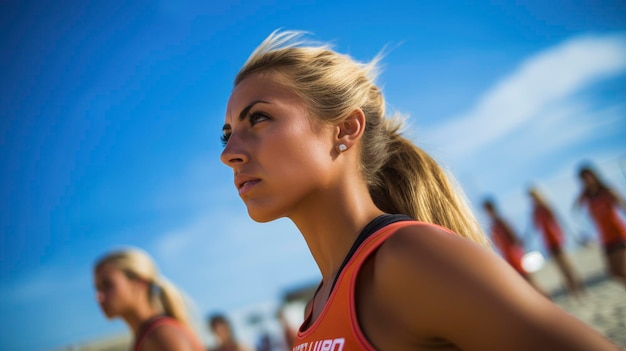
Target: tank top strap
[[372, 227], [373, 242]]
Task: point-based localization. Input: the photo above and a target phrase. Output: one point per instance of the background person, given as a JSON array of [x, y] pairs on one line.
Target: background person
[[603, 204], [130, 287], [224, 334], [545, 221], [508, 243]]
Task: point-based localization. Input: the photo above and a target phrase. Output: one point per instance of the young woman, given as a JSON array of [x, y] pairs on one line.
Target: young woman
[[505, 239], [404, 264], [508, 243], [603, 204], [545, 221], [129, 287]]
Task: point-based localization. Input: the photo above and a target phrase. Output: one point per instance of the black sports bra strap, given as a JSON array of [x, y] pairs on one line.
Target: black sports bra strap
[[371, 228]]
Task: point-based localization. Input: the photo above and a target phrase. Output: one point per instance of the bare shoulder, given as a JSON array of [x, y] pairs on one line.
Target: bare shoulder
[[433, 262], [166, 337], [430, 249], [439, 285]]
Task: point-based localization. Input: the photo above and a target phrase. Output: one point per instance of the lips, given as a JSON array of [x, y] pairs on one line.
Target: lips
[[244, 182]]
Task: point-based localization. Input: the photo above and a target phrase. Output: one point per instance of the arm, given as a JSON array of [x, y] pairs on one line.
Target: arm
[[440, 286]]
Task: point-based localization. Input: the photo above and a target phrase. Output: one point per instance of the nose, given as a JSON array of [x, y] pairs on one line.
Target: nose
[[234, 153], [99, 296]]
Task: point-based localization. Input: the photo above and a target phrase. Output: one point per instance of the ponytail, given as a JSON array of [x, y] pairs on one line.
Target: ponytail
[[172, 301], [411, 182], [401, 177]]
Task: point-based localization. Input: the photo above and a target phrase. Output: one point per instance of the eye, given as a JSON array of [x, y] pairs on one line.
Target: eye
[[256, 117], [104, 286], [224, 137]]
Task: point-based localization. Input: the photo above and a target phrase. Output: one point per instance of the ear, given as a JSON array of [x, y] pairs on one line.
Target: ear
[[350, 129]]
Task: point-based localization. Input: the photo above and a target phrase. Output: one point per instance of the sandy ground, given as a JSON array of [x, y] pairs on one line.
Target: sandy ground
[[603, 307]]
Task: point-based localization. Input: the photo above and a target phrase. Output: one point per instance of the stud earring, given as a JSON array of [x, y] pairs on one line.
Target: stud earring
[[342, 147]]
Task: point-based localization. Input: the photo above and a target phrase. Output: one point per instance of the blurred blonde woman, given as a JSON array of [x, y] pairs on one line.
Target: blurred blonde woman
[[546, 222], [130, 287], [404, 264]]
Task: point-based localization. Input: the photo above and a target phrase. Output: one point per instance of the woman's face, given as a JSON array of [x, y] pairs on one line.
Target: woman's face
[[281, 158], [114, 290], [221, 331], [589, 181]]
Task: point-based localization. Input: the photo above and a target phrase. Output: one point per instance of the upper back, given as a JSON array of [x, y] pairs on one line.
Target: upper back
[[166, 333]]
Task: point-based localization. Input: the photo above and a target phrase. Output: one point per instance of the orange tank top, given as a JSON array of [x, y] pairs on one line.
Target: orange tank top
[[604, 213], [511, 251], [547, 224], [337, 327], [503, 239]]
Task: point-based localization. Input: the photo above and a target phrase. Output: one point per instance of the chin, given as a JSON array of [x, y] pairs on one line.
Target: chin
[[261, 219], [107, 313], [261, 216]]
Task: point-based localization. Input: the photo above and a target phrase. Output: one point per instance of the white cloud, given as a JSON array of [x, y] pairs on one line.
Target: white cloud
[[558, 130], [543, 84]]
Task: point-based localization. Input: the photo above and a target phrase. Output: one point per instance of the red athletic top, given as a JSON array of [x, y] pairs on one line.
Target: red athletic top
[[503, 238], [603, 210], [156, 322], [337, 327], [547, 224]]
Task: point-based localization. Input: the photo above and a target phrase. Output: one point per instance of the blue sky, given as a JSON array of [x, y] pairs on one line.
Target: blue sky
[[111, 115]]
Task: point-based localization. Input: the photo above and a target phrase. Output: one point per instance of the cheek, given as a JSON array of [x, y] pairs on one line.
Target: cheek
[[108, 298], [299, 159], [118, 293], [290, 175]]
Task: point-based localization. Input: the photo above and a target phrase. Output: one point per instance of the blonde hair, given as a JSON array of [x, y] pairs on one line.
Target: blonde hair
[[137, 264], [401, 177], [539, 198]]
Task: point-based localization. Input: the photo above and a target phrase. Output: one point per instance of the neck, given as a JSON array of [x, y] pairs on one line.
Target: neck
[[330, 223], [135, 318]]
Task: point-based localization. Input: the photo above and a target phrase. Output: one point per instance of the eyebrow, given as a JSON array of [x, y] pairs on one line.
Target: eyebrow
[[244, 112]]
